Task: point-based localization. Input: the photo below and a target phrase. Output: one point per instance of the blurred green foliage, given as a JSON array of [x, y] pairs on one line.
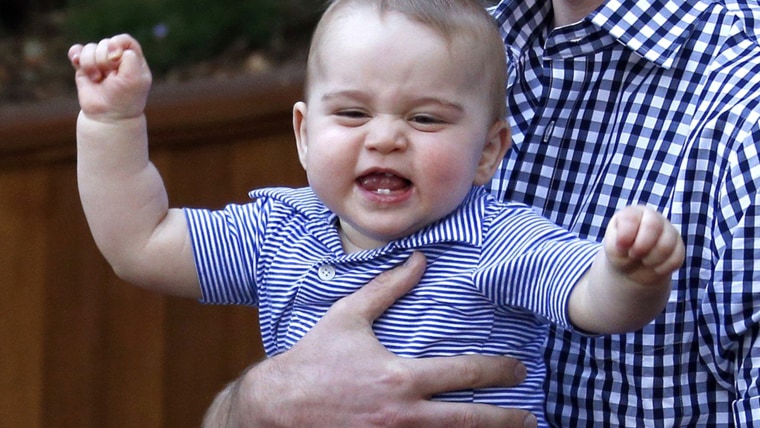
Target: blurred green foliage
[[177, 32]]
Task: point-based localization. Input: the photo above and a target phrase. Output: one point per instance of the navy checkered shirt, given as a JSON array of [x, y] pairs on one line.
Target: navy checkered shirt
[[648, 102]]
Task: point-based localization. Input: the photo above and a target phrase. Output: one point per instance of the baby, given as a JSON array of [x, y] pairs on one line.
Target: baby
[[402, 123]]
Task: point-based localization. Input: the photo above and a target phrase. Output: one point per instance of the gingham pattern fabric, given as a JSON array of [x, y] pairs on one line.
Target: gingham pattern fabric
[[496, 272], [647, 102]]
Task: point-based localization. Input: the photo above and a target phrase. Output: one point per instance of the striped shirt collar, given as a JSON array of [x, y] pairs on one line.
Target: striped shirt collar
[[631, 23], [465, 225]]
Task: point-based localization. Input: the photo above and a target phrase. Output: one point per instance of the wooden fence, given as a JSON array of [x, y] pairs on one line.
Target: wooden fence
[[80, 348]]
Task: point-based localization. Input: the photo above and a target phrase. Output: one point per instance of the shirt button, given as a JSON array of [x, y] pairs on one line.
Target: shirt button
[[326, 272]]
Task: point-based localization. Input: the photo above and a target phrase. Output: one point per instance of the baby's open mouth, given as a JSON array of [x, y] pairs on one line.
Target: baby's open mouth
[[383, 183]]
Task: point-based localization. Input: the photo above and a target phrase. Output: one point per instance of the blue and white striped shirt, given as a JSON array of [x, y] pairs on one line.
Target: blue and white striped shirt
[[496, 273], [653, 102]]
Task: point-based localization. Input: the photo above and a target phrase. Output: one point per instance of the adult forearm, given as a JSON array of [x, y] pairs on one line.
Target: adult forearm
[[221, 413]]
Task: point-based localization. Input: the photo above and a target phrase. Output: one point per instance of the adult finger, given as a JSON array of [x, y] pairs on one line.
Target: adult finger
[[458, 415], [378, 295], [437, 374]]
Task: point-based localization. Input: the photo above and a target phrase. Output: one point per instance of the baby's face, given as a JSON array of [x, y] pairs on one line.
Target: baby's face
[[395, 126]]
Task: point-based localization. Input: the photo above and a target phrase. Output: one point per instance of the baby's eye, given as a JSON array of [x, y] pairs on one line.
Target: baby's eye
[[424, 119], [428, 122], [351, 117], [351, 114]]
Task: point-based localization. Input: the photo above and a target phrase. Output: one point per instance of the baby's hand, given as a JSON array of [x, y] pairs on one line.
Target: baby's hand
[[643, 244], [112, 77]]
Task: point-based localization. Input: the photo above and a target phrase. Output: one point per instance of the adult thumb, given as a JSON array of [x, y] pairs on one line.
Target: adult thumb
[[378, 295]]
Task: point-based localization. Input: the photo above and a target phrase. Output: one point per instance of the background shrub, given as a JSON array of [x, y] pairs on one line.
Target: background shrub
[[176, 32]]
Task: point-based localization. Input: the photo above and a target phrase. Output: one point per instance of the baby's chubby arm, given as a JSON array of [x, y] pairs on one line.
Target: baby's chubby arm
[[629, 281], [122, 193]]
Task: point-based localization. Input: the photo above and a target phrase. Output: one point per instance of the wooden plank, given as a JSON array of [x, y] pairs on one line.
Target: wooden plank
[[134, 357], [75, 308], [22, 253]]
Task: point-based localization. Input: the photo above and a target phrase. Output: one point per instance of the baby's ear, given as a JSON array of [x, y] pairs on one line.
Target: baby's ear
[[299, 129], [498, 141]]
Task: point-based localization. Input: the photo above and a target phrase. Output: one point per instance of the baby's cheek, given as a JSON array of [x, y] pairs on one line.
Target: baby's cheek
[[450, 187], [455, 172]]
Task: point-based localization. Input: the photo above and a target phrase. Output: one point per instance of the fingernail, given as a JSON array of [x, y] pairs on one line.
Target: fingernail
[[530, 421], [409, 260], [520, 372], [115, 55]]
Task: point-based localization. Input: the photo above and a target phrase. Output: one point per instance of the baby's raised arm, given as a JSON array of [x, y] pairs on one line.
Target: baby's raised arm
[[122, 193], [629, 282]]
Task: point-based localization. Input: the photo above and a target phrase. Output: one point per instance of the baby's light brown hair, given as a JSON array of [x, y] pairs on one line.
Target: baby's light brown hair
[[461, 22]]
